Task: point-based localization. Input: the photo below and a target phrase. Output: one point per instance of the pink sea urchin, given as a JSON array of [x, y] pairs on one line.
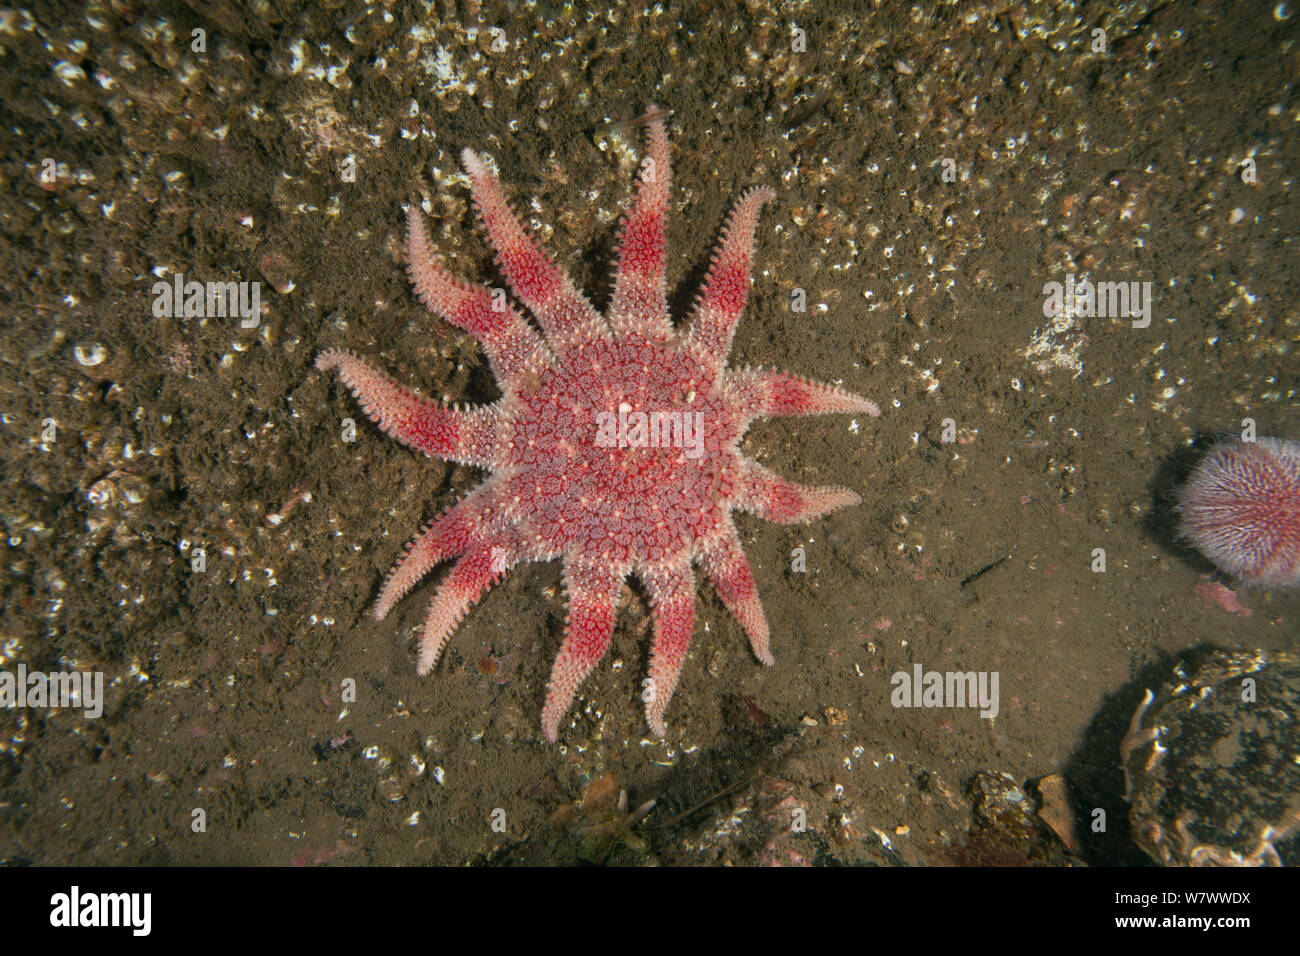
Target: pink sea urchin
[[1241, 508]]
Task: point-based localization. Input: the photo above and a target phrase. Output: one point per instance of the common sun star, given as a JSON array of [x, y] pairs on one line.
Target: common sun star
[[615, 444]]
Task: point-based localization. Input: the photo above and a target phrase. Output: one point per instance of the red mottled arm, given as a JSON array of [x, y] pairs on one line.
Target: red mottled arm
[[468, 436], [564, 314], [671, 589], [451, 534], [640, 302], [515, 350], [765, 493], [727, 569], [726, 290], [593, 604], [478, 569], [759, 393]]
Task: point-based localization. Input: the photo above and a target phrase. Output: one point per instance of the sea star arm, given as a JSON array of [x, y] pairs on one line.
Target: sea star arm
[[478, 569], [640, 302], [759, 393], [765, 493], [515, 351], [671, 589], [561, 310], [713, 319], [592, 586], [725, 565], [447, 536], [468, 436]]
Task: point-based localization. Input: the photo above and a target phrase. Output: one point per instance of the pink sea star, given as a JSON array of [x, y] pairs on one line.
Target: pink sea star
[[615, 443]]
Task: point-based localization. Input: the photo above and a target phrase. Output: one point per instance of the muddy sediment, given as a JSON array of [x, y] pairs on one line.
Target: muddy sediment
[[182, 514]]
